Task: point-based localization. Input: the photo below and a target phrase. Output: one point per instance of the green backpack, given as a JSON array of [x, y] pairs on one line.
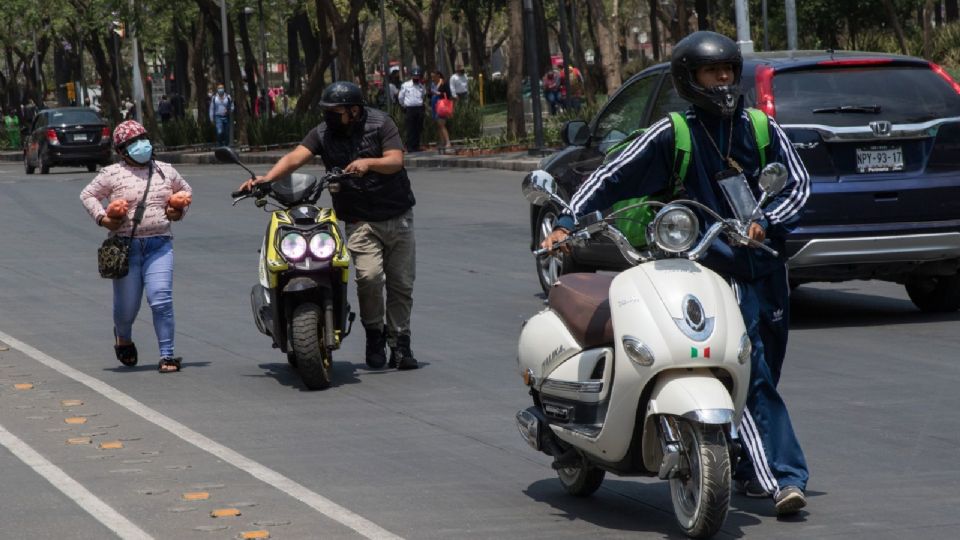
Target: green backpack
[[633, 223]]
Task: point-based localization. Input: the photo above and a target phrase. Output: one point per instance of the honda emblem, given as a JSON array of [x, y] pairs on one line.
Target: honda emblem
[[881, 128]]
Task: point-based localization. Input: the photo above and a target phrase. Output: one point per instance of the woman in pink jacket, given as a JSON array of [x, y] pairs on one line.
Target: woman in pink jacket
[[151, 250]]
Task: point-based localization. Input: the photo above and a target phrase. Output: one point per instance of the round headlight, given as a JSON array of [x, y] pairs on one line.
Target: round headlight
[[322, 246], [746, 347], [675, 228], [293, 246]]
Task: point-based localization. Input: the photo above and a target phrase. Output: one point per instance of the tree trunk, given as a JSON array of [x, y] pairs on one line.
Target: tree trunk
[[590, 87], [425, 39], [543, 44], [241, 110], [927, 29], [477, 37], [198, 78], [654, 6], [109, 101], [515, 117], [953, 10], [703, 15], [895, 23], [249, 60], [606, 42]]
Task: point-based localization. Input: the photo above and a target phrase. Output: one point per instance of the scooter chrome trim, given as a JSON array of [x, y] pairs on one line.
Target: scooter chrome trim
[[588, 387], [712, 416]]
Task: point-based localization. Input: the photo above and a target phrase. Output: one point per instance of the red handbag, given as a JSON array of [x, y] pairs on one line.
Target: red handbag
[[445, 107]]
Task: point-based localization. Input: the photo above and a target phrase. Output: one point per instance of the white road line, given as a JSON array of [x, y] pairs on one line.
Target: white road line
[[314, 500], [103, 513]]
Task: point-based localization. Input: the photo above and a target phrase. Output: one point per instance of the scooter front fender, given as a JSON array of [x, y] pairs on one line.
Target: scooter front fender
[[696, 395]]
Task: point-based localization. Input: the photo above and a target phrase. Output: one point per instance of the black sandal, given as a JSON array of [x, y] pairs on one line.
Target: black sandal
[[167, 362], [126, 354]]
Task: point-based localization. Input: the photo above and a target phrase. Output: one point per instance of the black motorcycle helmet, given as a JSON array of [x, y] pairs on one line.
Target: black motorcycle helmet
[[416, 73], [341, 93], [700, 49]]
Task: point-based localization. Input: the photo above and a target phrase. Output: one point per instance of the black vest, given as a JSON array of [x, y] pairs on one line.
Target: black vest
[[375, 196]]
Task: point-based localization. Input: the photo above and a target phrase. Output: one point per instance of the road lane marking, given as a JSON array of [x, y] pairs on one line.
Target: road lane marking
[[100, 510], [312, 499]]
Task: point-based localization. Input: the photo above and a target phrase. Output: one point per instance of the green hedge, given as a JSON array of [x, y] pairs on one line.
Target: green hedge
[[467, 122]]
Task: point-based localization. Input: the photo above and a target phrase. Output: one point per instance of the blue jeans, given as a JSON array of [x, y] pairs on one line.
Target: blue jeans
[[151, 269], [222, 123], [772, 453]]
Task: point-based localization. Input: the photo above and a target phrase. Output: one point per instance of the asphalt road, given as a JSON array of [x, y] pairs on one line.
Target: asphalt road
[[433, 453]]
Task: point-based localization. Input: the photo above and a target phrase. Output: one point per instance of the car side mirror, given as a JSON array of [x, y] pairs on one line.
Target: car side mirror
[[575, 133]]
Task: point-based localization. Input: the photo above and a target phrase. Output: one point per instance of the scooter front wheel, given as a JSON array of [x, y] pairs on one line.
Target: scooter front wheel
[[701, 492], [313, 360], [581, 481]]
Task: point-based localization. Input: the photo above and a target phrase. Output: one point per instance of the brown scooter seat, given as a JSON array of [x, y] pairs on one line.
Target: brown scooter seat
[[583, 302]]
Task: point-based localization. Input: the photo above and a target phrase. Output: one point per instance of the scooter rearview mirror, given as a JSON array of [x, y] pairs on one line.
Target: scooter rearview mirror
[[225, 154], [772, 178]]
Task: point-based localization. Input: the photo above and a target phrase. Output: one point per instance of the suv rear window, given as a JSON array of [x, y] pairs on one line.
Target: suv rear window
[[74, 117], [905, 95]]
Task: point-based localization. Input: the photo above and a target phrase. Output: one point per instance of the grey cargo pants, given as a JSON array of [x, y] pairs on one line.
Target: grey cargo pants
[[384, 254]]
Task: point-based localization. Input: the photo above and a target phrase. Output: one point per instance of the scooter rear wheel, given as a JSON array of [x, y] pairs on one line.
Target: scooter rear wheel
[[313, 360], [581, 481], [701, 494]]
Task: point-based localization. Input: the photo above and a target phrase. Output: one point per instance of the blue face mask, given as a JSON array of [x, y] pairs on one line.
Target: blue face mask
[[140, 151]]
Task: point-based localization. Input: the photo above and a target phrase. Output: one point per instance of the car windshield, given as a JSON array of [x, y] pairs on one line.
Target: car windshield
[[74, 118], [854, 96]]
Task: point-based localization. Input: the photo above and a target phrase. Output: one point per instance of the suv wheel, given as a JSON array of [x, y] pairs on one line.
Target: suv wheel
[[935, 294], [551, 266], [27, 167], [43, 162]]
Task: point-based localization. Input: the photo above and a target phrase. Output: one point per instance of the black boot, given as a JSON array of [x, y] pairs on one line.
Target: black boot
[[400, 356], [376, 341]]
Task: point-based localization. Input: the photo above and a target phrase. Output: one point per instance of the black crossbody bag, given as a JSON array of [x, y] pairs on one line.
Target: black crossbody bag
[[113, 256]]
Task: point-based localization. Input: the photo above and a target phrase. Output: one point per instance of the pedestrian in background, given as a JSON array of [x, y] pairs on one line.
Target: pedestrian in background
[[164, 109], [221, 107], [412, 95], [11, 121], [574, 89], [551, 90], [439, 89], [151, 248], [459, 85]]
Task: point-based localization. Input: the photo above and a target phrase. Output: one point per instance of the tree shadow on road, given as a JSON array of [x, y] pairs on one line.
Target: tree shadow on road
[[813, 308]]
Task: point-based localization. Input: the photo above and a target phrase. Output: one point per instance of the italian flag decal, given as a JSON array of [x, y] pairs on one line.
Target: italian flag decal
[[695, 352]]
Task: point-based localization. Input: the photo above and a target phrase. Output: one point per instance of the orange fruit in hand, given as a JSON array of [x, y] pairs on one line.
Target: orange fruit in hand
[[117, 208], [180, 200]]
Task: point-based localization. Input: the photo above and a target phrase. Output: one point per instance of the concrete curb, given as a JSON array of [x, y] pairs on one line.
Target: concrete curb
[[507, 162]]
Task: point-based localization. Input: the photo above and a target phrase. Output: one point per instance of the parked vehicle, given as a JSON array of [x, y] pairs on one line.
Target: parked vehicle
[[878, 134], [67, 137], [646, 372], [300, 300]]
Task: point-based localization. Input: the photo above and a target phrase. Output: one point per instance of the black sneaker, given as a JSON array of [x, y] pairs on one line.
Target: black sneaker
[[790, 500], [750, 488], [376, 343], [400, 356]]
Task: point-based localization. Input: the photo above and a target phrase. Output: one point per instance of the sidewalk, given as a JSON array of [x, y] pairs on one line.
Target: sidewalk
[[510, 161]]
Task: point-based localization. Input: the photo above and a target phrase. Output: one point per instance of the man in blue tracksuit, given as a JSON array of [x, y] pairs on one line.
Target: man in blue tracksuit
[[706, 69]]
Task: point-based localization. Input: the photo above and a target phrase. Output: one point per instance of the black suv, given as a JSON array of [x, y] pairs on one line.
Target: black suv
[[67, 136], [879, 135]]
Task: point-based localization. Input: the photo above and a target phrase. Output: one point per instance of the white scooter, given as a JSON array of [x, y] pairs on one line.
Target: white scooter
[[645, 373]]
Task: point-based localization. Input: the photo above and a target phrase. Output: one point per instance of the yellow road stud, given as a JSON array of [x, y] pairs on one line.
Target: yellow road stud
[[75, 420], [225, 512], [111, 445], [196, 496], [79, 440], [23, 386], [254, 534], [71, 403]]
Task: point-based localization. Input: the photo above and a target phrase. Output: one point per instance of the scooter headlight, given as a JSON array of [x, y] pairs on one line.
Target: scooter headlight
[[637, 351], [293, 246], [746, 347], [322, 246], [675, 228]]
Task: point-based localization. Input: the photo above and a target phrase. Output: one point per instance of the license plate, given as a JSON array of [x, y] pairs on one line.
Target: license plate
[[879, 159], [80, 138]]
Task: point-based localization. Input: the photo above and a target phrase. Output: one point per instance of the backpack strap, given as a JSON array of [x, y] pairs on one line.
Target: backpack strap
[[761, 132], [682, 147]]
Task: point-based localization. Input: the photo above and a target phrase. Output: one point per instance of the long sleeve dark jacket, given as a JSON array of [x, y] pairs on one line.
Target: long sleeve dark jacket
[[645, 167]]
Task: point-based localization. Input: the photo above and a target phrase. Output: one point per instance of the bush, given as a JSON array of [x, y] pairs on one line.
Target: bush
[[186, 131], [280, 129], [467, 122], [494, 90]]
